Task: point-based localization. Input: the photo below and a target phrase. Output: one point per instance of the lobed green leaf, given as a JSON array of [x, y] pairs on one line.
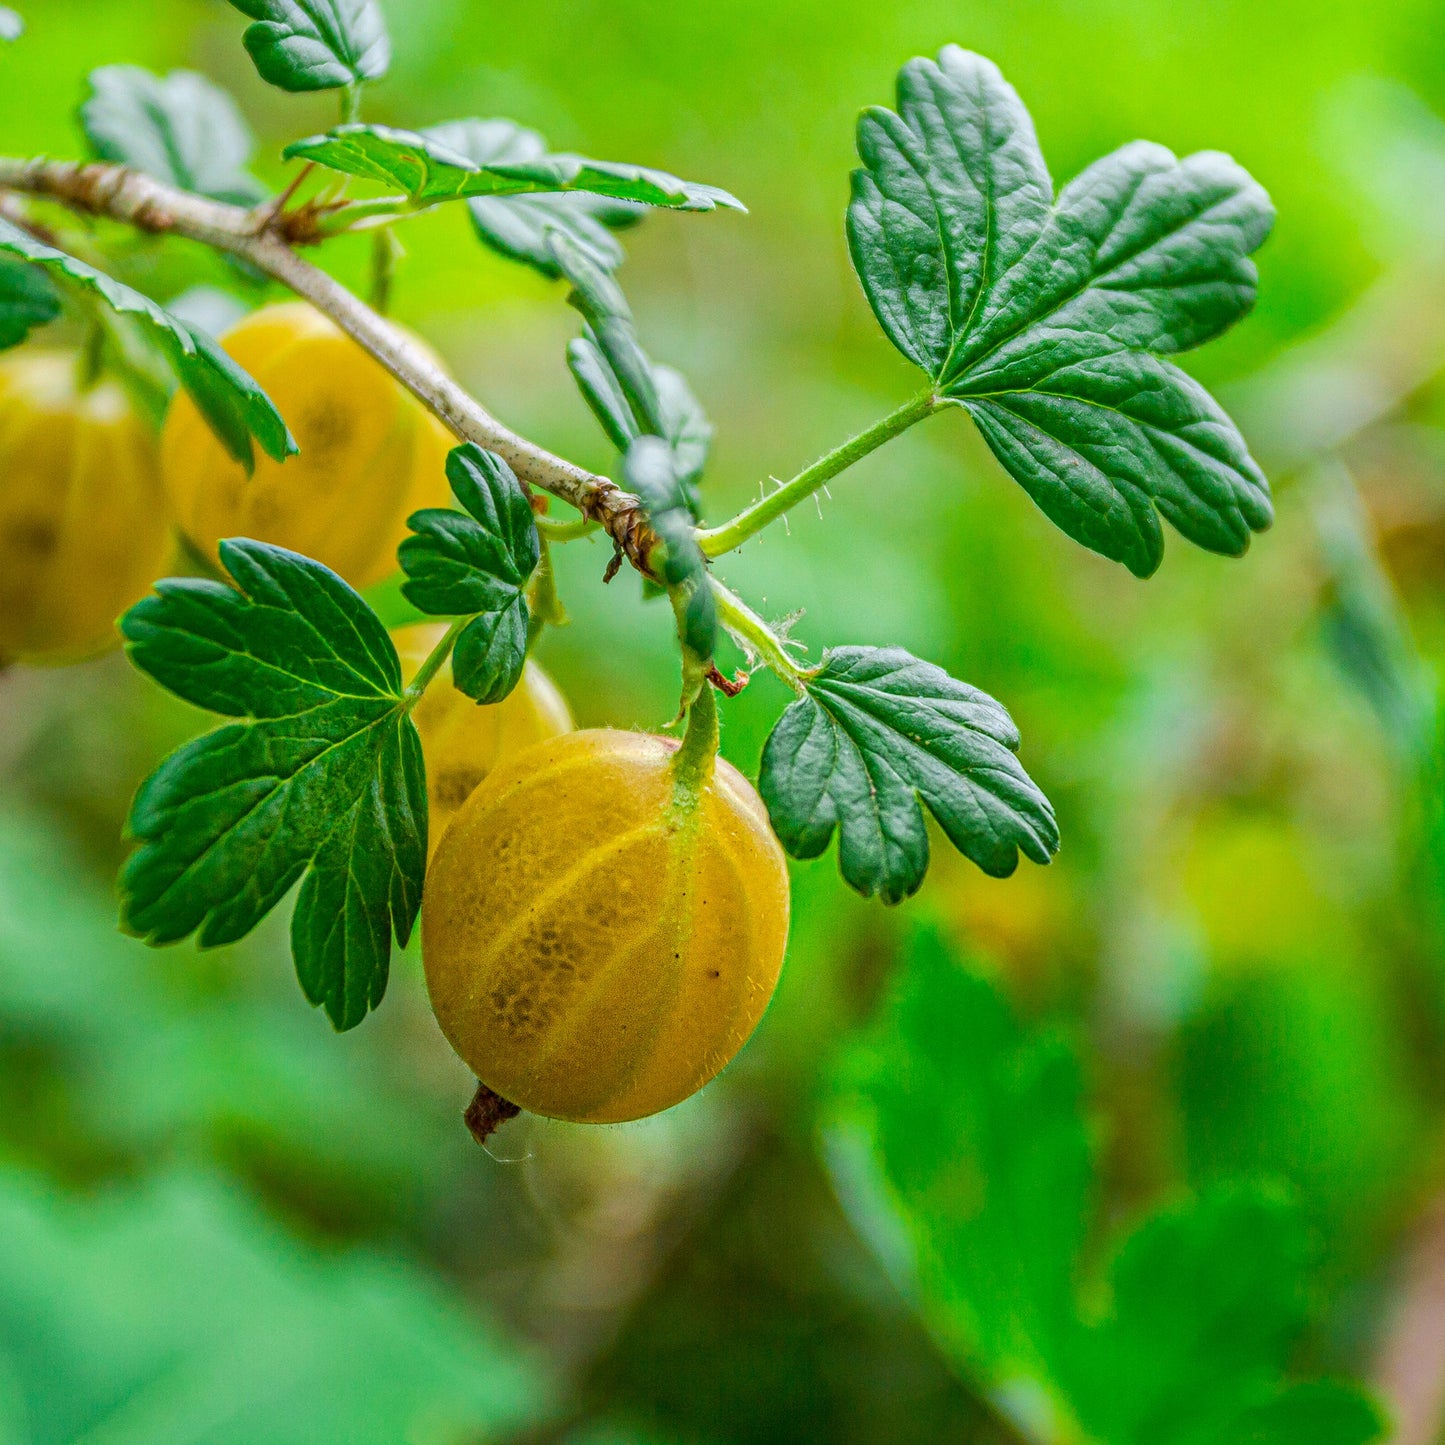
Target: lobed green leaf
[[428, 170], [517, 227], [959, 1146], [228, 397], [973, 1126], [316, 44], [648, 469], [877, 734], [1048, 320], [180, 128], [27, 299], [322, 782], [477, 563]]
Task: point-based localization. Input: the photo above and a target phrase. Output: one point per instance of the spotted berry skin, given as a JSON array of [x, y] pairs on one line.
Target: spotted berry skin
[[594, 950]]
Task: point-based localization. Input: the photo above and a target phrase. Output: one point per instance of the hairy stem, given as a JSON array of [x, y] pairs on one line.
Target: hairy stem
[[744, 623], [264, 239], [544, 601], [692, 767], [714, 541], [433, 662]]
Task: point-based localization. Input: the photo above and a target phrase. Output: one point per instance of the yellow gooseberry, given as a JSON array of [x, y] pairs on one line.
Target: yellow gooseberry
[[461, 741], [370, 454], [598, 941], [84, 528]]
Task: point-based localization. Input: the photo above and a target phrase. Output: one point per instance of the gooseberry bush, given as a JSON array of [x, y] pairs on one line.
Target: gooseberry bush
[[364, 560], [318, 448]]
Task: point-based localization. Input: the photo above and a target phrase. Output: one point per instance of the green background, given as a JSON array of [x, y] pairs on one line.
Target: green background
[[221, 1223]]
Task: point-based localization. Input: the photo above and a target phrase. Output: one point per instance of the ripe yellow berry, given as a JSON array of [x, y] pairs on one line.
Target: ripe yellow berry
[[596, 950], [370, 454], [462, 741], [84, 529]]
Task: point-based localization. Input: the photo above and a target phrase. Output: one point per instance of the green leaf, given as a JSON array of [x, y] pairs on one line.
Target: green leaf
[[1316, 1412], [323, 781], [316, 44], [428, 171], [477, 563], [1047, 321], [517, 226], [975, 1128], [173, 1306], [879, 732], [180, 128], [630, 395], [12, 24], [959, 1146], [228, 397], [647, 468], [1238, 1256], [27, 300]]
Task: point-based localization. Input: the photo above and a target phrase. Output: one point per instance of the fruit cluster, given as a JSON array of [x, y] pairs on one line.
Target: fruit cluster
[[605, 912]]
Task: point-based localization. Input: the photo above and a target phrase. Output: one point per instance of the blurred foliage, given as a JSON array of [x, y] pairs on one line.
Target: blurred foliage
[[206, 1197]]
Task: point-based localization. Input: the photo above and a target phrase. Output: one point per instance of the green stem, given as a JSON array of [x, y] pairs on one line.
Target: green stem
[[555, 531], [433, 663], [544, 603], [355, 215], [91, 366], [351, 103], [692, 766], [384, 251], [714, 541], [740, 619]]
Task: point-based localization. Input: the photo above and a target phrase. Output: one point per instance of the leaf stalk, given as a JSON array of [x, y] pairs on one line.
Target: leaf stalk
[[744, 623], [433, 663], [715, 541]]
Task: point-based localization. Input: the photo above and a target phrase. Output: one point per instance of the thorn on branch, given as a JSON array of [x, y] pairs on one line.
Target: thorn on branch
[[487, 1112], [728, 687]]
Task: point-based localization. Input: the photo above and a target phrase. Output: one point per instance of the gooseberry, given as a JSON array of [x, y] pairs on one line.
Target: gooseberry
[[598, 941], [370, 454], [84, 529]]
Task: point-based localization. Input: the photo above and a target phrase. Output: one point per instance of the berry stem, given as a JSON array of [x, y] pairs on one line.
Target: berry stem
[[692, 767], [543, 600], [714, 541]]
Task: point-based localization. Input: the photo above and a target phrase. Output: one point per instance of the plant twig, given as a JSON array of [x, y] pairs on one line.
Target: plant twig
[[265, 241]]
